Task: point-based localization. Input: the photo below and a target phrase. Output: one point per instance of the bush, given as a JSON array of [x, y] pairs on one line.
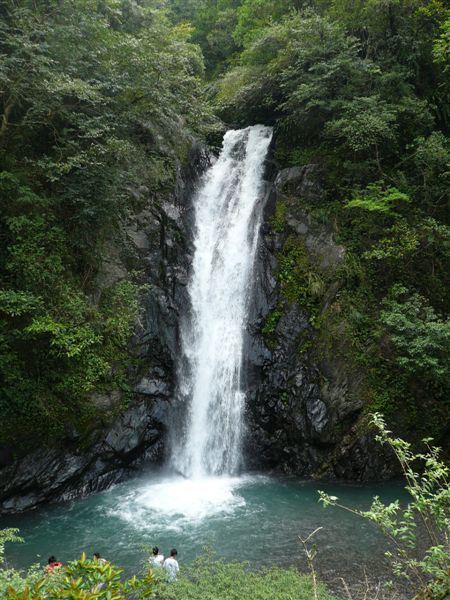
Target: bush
[[82, 579], [418, 534]]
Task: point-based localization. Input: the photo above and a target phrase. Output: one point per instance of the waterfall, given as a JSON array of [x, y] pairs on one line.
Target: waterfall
[[228, 215]]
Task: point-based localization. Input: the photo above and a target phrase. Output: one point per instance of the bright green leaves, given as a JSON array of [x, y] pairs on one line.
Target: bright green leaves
[[300, 281], [81, 579], [418, 533], [441, 48], [432, 161], [17, 304], [402, 242], [217, 580], [55, 346], [7, 535], [305, 69], [257, 15], [54, 355], [36, 256], [376, 199], [65, 340]]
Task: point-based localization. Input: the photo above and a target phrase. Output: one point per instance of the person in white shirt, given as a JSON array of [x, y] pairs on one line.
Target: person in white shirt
[[157, 559], [171, 565], [99, 559]]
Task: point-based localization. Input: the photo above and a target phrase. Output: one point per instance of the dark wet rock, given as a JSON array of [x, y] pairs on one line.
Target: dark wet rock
[[105, 402], [156, 242], [153, 387], [302, 182], [304, 410], [55, 475]]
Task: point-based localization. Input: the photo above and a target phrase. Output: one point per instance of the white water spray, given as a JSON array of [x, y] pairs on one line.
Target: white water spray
[[227, 217]]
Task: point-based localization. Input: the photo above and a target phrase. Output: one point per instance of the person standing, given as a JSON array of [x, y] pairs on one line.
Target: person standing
[[171, 565], [157, 559], [99, 559]]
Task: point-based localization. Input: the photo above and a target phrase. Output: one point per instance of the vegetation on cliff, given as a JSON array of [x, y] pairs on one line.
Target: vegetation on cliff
[[98, 99], [360, 89]]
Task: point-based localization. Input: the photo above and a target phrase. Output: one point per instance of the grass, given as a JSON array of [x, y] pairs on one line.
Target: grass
[[209, 579]]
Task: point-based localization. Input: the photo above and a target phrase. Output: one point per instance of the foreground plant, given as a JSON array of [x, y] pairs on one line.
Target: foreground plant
[[419, 534], [82, 579], [210, 579]]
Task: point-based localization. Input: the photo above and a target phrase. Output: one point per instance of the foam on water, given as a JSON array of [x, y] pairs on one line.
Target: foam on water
[[177, 502]]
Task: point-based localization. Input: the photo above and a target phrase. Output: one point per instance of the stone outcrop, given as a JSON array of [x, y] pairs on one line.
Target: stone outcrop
[[155, 241], [69, 473], [304, 409]]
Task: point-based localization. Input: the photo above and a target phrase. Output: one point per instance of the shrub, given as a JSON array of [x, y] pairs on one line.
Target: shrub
[[211, 579], [81, 579], [418, 534]]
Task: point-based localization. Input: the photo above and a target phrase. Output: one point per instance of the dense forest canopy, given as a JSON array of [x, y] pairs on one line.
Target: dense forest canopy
[[100, 97], [97, 100]]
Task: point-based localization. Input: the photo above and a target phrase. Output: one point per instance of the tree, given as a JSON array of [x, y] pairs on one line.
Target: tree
[[96, 99], [421, 339]]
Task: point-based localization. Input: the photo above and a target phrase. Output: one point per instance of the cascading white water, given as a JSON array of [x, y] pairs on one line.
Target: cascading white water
[[227, 220]]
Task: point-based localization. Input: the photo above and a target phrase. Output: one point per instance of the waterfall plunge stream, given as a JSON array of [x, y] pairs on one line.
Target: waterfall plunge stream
[[227, 221], [206, 447]]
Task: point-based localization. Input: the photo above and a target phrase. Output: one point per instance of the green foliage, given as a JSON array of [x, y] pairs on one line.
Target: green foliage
[[214, 22], [365, 123], [7, 535], [206, 577], [421, 339], [98, 99], [256, 15], [299, 281], [441, 47], [216, 580], [402, 241], [275, 74], [419, 533], [432, 161], [82, 579], [269, 328], [279, 218], [377, 200]]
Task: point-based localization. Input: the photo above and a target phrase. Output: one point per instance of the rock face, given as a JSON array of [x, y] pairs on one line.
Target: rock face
[[156, 242], [304, 409], [64, 475]]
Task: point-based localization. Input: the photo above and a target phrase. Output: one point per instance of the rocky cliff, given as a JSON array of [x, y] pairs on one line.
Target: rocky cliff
[[154, 241], [305, 408], [306, 397]]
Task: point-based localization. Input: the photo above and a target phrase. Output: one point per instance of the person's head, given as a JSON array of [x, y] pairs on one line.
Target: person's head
[[173, 553], [155, 550], [96, 555], [51, 560]]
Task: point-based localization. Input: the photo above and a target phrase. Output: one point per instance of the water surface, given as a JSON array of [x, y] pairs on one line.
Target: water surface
[[254, 518]]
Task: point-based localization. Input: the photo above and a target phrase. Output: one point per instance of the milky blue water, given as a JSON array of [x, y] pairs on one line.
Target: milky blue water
[[253, 518]]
